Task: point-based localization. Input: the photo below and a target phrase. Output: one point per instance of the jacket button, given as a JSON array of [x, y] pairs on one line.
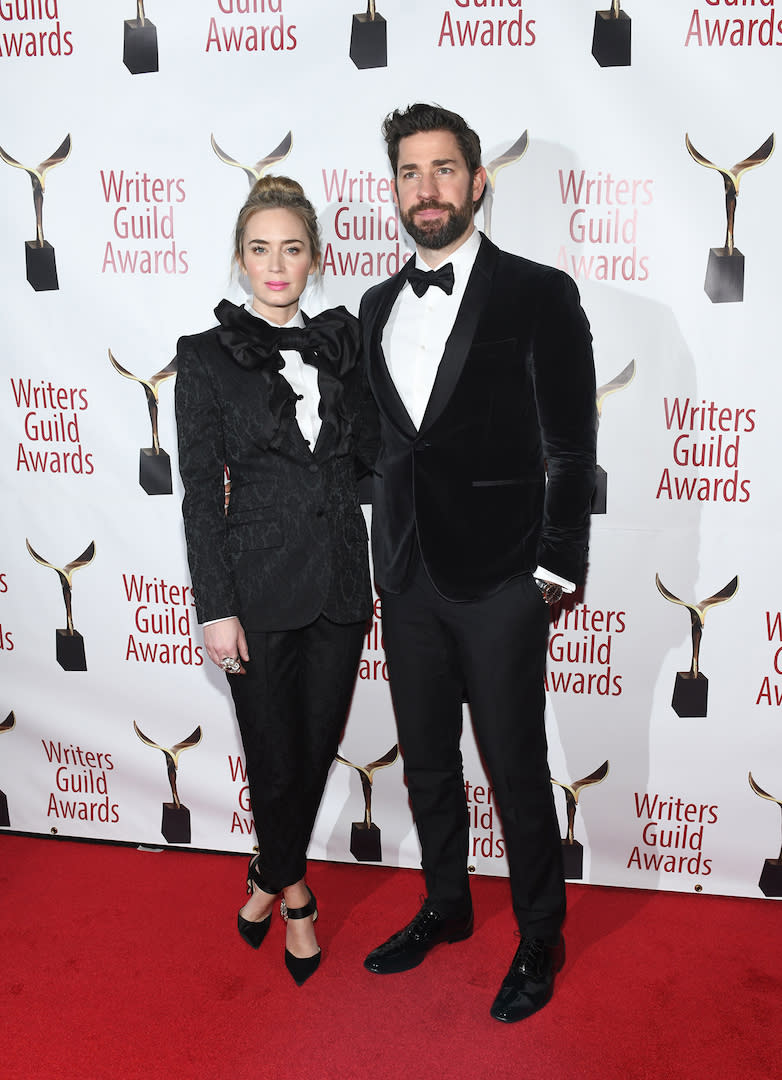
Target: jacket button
[[320, 513], [313, 468]]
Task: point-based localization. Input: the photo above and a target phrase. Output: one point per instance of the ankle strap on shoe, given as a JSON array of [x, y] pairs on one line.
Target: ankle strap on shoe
[[310, 908]]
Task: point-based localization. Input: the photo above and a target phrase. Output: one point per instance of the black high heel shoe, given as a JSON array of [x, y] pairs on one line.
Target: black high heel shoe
[[254, 932], [301, 967]]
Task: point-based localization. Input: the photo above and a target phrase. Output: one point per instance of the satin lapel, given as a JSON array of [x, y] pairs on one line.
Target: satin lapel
[[475, 299], [325, 439], [380, 380]]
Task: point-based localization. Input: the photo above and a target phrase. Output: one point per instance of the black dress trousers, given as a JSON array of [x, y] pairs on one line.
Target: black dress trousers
[[495, 650], [291, 706]]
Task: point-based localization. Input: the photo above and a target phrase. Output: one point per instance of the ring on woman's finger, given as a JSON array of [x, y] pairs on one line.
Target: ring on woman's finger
[[230, 664]]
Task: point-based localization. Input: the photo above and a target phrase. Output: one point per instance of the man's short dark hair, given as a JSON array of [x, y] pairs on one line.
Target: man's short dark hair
[[419, 117]]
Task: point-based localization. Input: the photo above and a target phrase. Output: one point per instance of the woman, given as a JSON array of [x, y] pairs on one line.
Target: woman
[[280, 574]]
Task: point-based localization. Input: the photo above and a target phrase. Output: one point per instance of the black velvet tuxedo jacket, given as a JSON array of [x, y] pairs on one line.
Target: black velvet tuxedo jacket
[[293, 544], [499, 478]]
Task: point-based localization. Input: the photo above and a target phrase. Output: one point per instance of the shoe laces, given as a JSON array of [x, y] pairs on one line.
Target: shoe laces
[[529, 955], [423, 923]]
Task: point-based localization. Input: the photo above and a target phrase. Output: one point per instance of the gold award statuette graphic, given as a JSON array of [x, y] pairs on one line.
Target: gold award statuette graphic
[[611, 40], [256, 171], [365, 835], [139, 54], [512, 154], [572, 851], [725, 270], [770, 883], [5, 821], [70, 643], [623, 379], [175, 825], [691, 689], [39, 253], [154, 464], [368, 46]]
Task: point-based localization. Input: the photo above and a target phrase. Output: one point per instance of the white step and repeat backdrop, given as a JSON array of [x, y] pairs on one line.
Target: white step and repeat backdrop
[[128, 138]]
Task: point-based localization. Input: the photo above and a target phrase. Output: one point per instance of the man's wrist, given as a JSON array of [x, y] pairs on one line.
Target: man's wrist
[[549, 590]]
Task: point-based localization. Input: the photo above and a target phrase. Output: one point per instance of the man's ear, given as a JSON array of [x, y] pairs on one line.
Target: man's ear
[[478, 183]]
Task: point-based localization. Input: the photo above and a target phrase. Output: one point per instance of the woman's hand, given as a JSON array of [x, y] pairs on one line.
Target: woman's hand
[[226, 639]]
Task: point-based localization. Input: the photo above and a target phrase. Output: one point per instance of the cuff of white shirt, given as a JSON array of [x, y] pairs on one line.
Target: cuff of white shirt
[[546, 575], [212, 622]]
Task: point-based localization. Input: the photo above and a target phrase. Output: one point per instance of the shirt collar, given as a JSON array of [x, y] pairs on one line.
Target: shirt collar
[[297, 319]]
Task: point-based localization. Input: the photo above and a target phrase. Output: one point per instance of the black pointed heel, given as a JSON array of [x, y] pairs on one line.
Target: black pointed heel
[[301, 967], [254, 932]]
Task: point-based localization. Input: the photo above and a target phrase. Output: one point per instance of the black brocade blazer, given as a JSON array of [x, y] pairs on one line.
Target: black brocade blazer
[[499, 478], [293, 544]]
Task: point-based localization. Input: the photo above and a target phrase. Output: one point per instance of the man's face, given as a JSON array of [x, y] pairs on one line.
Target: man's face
[[435, 191]]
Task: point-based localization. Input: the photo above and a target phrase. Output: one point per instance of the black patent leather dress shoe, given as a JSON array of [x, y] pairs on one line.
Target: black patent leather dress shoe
[[529, 984], [407, 948]]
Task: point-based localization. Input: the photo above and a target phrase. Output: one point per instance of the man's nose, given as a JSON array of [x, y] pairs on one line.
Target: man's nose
[[428, 187]]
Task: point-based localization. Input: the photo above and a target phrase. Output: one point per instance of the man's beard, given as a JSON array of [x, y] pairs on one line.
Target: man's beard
[[437, 235]]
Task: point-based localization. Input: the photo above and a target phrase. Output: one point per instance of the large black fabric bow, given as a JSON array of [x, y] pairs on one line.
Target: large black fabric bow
[[420, 280], [329, 340]]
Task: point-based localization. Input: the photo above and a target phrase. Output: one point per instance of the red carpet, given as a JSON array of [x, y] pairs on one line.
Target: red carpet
[[124, 964]]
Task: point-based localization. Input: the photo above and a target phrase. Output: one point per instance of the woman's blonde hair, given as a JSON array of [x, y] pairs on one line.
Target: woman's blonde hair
[[279, 193]]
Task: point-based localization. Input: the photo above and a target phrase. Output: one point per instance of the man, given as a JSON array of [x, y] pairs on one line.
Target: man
[[481, 365]]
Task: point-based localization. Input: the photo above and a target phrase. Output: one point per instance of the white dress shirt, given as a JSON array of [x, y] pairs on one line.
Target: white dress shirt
[[303, 379], [415, 336], [418, 327]]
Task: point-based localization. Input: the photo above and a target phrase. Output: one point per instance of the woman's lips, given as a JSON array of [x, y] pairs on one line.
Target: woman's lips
[[277, 286]]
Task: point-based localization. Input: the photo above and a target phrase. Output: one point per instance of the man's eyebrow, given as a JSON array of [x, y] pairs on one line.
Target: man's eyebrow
[[437, 161]]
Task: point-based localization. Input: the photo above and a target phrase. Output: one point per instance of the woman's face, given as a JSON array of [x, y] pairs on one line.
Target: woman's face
[[277, 259]]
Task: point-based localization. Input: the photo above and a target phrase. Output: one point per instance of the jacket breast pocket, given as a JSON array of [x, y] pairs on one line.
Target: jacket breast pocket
[[507, 482]]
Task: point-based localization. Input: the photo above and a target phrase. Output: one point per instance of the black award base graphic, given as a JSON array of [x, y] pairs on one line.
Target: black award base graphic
[[140, 52], [690, 695], [573, 860], [601, 488], [368, 41], [5, 821], [611, 39], [770, 883], [70, 651], [725, 276], [41, 266], [365, 842], [154, 471], [176, 823]]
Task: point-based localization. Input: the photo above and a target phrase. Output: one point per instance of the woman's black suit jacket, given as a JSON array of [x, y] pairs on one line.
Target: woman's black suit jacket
[[293, 544]]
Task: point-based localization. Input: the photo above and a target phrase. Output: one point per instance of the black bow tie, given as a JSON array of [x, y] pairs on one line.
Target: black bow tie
[[420, 280]]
